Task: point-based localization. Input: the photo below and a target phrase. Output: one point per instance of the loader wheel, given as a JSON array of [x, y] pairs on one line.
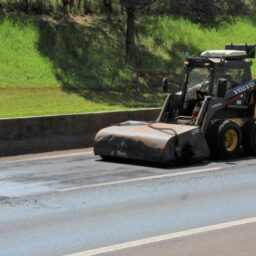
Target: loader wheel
[[249, 138], [186, 155], [225, 140], [106, 158]]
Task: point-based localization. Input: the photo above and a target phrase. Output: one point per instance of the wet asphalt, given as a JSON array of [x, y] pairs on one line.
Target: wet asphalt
[[63, 205]]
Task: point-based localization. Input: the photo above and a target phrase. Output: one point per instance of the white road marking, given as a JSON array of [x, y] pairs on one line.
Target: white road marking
[[59, 156], [46, 157], [139, 179], [162, 238]]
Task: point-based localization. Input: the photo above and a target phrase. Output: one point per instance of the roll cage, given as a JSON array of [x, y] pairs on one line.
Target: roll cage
[[217, 68]]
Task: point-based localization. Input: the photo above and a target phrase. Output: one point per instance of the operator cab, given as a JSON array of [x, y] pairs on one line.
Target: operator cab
[[203, 76]]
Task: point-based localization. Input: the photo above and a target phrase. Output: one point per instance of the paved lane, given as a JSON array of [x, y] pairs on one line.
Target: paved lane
[[40, 217], [238, 241]]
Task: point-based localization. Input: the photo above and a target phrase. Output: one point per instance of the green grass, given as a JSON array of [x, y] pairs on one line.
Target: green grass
[[20, 102], [28, 81], [170, 37], [21, 64], [84, 69]]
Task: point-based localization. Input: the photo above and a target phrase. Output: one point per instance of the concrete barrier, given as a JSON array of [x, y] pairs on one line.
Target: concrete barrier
[[49, 133]]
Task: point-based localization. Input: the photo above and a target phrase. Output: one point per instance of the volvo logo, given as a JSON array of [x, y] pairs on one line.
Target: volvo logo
[[244, 88]]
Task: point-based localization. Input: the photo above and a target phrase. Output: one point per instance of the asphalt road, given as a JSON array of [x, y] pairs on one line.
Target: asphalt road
[[78, 205]]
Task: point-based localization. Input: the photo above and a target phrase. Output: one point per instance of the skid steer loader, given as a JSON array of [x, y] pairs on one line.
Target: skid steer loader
[[213, 114]]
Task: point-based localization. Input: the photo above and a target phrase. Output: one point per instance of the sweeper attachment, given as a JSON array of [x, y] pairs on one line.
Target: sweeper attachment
[[213, 113]]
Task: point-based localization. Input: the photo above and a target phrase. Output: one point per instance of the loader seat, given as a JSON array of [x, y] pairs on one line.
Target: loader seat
[[191, 113], [183, 119], [195, 118]]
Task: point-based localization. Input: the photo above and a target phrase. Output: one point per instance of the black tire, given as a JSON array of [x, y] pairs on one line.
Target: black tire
[[106, 158], [224, 139], [249, 138], [186, 155]]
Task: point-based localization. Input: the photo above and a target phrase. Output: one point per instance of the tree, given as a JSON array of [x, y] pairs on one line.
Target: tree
[[88, 6], [130, 30], [26, 6], [108, 8], [131, 7], [209, 13], [68, 5]]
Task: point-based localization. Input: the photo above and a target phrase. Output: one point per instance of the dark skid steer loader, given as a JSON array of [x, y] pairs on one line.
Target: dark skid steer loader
[[213, 114]]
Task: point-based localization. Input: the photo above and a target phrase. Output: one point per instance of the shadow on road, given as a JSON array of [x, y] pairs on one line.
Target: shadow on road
[[172, 166]]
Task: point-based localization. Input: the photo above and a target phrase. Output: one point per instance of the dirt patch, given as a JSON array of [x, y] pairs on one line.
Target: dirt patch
[[85, 20]]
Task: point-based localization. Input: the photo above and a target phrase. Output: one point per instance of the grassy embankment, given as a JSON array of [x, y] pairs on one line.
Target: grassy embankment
[[72, 72]]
